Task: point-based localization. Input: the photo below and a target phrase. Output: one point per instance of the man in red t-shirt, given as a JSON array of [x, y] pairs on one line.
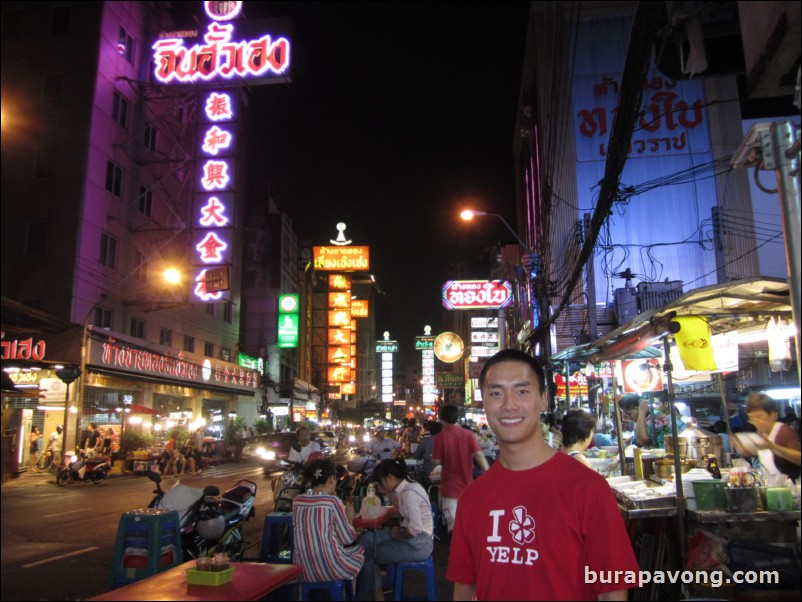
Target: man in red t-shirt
[[537, 526], [455, 448]]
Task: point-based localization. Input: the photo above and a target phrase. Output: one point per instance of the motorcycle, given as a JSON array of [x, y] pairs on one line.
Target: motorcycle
[[209, 523], [80, 468], [287, 486]]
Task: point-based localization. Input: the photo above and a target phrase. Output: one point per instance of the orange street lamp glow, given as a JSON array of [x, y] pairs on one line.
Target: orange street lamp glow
[[172, 276]]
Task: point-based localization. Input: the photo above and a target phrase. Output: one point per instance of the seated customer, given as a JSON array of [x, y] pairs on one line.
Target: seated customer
[[324, 537], [578, 434], [411, 542]]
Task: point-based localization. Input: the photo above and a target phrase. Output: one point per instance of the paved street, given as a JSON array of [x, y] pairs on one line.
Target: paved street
[[57, 542]]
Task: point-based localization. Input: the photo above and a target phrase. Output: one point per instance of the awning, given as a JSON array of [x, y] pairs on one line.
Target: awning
[[138, 409], [738, 305]]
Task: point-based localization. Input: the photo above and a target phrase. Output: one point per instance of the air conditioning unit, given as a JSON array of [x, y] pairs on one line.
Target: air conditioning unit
[[655, 294]]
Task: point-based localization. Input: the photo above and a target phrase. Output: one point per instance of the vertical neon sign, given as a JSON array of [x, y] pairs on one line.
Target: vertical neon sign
[[213, 235]]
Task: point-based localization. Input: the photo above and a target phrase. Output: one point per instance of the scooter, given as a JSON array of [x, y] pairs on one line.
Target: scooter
[[79, 468], [287, 486], [208, 523]]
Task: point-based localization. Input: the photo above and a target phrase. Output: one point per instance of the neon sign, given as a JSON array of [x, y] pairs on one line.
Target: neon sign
[[219, 57]]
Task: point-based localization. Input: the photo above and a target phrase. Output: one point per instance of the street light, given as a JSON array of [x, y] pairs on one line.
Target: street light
[[468, 214]]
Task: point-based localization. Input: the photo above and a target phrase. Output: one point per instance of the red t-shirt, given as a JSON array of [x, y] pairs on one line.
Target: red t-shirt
[[455, 447], [529, 535]]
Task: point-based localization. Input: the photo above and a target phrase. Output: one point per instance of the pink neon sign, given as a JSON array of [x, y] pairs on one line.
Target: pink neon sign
[[219, 57], [218, 107], [200, 289], [214, 139], [212, 213], [215, 175]]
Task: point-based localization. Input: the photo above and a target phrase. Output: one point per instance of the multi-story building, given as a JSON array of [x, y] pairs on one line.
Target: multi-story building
[[101, 167]]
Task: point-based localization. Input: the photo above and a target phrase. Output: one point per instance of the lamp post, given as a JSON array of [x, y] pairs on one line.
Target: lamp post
[[529, 263]]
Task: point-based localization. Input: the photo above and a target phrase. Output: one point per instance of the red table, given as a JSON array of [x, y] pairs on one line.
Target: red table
[[250, 581], [387, 513]]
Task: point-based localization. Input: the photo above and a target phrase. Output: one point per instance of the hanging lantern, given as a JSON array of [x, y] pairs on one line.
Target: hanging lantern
[[779, 346]]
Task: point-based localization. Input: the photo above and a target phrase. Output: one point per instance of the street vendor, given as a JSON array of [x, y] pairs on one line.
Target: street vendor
[[649, 431], [781, 452]]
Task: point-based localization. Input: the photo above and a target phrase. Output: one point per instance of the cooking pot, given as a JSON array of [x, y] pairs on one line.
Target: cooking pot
[[664, 467], [697, 444]]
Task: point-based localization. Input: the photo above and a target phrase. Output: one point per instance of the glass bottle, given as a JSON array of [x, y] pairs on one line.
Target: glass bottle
[[712, 467]]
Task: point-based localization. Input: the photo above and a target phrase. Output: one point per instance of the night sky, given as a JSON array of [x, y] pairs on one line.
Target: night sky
[[397, 116]]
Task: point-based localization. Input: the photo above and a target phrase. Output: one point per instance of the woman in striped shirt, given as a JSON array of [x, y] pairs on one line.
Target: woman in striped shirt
[[324, 537]]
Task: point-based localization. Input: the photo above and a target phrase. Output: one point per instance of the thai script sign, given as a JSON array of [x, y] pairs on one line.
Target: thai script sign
[[23, 349], [386, 346], [112, 354], [476, 294], [341, 259], [450, 379]]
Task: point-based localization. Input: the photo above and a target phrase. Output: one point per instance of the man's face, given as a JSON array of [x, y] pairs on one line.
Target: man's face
[[762, 420], [303, 437], [380, 435], [513, 402]]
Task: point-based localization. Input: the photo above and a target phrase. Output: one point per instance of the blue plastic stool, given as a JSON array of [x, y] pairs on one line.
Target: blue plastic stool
[[395, 575], [278, 540], [338, 590], [148, 542]]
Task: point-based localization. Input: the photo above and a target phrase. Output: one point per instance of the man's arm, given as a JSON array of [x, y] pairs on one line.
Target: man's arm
[[618, 595], [463, 591]]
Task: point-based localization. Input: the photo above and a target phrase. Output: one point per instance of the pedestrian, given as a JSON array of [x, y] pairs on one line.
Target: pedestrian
[[324, 538], [55, 445], [578, 434], [188, 454], [411, 542], [34, 449], [455, 449], [197, 447], [169, 457], [424, 450], [538, 525], [94, 442]]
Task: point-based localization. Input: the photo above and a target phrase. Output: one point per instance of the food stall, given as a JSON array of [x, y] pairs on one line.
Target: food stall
[[659, 519]]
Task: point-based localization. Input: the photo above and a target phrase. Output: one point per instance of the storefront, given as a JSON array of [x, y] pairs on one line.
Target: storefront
[[169, 392]]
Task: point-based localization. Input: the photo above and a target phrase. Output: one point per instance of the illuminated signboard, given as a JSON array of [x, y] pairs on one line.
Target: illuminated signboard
[[339, 355], [341, 259], [386, 346], [476, 294], [359, 308], [288, 303], [339, 282], [254, 363], [339, 374], [340, 300], [348, 389], [422, 343], [340, 318], [220, 58], [339, 336], [448, 347], [287, 331]]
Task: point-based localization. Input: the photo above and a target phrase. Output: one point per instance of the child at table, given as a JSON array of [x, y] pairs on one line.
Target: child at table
[[413, 541], [324, 537]]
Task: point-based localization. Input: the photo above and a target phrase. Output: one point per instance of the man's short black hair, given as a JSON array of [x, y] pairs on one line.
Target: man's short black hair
[[514, 355], [449, 414]]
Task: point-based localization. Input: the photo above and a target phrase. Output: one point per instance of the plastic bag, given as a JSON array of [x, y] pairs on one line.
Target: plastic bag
[[371, 507], [706, 551]]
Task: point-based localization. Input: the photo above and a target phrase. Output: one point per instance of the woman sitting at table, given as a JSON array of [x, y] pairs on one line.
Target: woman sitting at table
[[411, 542], [324, 538]]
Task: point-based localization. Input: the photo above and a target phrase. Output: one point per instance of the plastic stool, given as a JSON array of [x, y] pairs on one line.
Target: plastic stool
[[277, 538], [338, 590], [148, 542], [395, 575]]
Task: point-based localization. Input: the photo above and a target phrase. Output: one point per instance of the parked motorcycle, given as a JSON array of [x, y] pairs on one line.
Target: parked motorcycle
[[209, 524], [288, 485], [80, 468]]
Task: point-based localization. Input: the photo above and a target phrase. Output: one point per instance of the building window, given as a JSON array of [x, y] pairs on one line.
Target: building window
[[102, 318], [166, 337], [150, 136], [108, 250], [208, 349], [228, 313], [36, 239], [210, 309], [60, 20], [114, 179], [125, 45], [52, 88], [141, 269], [45, 162], [145, 201], [225, 354], [137, 328], [189, 343], [119, 110]]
